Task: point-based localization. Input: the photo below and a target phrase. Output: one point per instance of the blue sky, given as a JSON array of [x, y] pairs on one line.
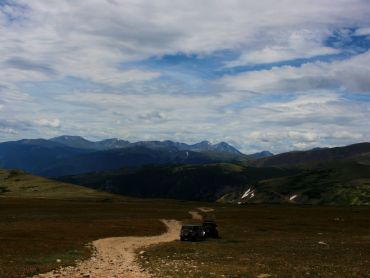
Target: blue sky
[[261, 76]]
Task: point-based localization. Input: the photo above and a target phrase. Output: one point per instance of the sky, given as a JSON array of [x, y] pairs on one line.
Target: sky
[[260, 75]]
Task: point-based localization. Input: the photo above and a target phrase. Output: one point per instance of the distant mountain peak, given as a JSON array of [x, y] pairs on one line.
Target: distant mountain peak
[[73, 141], [116, 143], [80, 142], [203, 143], [225, 147], [258, 155], [266, 153], [68, 137]]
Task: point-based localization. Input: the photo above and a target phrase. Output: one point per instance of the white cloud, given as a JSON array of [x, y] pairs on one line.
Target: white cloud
[[365, 31], [55, 123], [294, 45], [92, 39], [8, 131], [104, 41], [351, 75], [314, 118]]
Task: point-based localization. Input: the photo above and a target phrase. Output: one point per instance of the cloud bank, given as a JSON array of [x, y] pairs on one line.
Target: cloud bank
[[260, 75]]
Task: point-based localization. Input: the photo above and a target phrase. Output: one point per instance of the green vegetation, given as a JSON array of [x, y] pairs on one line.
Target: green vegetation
[[345, 182], [16, 183], [185, 182], [341, 183]]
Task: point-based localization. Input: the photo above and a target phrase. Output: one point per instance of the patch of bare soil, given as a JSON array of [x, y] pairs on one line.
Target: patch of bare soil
[[205, 209], [115, 257], [196, 215]]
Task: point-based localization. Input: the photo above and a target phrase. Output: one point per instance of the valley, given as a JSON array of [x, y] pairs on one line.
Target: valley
[[275, 221]]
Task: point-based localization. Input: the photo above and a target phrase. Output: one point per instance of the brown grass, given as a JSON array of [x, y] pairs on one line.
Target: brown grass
[[34, 233], [275, 240], [282, 241]]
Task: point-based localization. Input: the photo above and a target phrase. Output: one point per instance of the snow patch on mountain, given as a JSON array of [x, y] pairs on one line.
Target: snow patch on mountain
[[249, 193]]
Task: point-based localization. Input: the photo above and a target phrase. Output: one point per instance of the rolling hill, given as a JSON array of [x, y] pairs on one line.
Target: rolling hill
[[185, 182], [16, 183], [132, 157], [313, 157], [345, 182]]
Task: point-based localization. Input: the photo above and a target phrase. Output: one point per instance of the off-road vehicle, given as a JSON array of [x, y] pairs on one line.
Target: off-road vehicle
[[210, 228], [192, 232]]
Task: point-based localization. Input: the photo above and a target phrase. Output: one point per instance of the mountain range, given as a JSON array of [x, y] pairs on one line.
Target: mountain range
[[114, 143], [67, 155], [331, 176], [202, 171]]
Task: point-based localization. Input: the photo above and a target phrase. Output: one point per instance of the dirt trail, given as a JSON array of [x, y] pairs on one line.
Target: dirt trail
[[115, 257], [205, 209], [197, 216]]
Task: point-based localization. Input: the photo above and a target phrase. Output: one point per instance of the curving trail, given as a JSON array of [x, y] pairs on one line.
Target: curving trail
[[115, 257]]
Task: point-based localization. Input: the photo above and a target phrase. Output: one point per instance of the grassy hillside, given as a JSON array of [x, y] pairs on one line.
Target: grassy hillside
[[16, 183], [185, 182], [340, 183]]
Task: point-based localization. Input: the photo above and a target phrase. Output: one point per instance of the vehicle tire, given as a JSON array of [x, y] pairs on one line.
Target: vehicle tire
[[182, 238]]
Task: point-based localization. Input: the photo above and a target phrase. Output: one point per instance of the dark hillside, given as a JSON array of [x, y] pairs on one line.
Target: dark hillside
[[185, 182], [315, 156]]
